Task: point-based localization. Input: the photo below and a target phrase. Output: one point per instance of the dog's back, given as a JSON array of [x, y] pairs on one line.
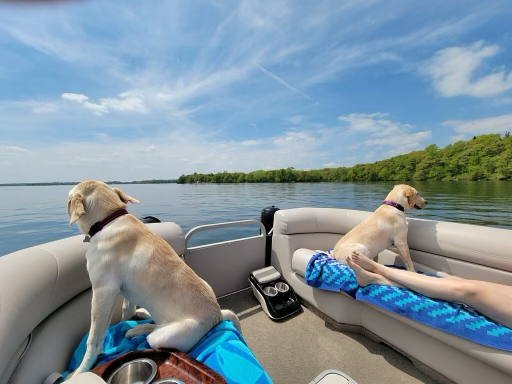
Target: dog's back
[[369, 237]]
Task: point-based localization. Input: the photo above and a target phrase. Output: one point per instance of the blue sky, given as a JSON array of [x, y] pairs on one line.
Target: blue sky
[[135, 90]]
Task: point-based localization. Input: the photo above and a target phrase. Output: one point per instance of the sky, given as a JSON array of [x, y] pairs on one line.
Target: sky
[[136, 90]]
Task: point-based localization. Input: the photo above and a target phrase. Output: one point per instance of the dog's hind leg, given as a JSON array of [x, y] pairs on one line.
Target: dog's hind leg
[[181, 335], [141, 329], [362, 250]]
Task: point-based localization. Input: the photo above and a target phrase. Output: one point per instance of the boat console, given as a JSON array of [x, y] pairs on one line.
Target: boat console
[[276, 297]]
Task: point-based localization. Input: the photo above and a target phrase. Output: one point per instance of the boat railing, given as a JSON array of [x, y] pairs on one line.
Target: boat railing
[[226, 265]]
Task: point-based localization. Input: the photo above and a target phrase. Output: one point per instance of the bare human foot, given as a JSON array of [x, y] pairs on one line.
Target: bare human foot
[[363, 276], [366, 263]]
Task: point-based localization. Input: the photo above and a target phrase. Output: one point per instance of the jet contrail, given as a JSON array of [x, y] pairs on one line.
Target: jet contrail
[[285, 83]]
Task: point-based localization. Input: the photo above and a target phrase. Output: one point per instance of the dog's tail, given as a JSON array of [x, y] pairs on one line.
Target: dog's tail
[[230, 315]]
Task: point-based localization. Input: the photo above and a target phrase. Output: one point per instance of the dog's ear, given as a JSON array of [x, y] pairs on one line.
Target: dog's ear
[[75, 207], [410, 196], [124, 197]]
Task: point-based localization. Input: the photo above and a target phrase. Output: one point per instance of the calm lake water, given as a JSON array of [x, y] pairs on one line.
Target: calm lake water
[[35, 215]]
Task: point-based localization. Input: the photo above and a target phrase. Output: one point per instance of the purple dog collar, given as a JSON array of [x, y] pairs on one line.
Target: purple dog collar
[[96, 227], [393, 204]]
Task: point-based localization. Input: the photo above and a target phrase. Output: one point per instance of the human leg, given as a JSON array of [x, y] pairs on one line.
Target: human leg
[[492, 300]]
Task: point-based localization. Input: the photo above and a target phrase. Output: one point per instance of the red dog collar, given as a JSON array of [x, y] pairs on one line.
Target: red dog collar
[[96, 227]]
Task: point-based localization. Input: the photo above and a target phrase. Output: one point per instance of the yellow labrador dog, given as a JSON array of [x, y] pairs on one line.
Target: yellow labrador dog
[[386, 226], [126, 258]]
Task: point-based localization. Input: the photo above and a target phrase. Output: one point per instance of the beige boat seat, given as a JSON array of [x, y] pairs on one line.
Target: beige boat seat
[[462, 250], [45, 301]]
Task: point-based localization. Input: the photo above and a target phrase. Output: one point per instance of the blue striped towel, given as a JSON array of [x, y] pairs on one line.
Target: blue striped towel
[[223, 349], [324, 272]]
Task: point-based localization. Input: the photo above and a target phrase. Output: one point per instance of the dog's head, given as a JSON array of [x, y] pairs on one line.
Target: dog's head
[[407, 196], [92, 201]]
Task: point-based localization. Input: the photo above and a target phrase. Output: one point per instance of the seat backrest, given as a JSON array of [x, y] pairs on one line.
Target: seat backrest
[[464, 250], [42, 289]]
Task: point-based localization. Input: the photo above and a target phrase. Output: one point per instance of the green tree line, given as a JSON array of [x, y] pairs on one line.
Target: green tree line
[[485, 157]]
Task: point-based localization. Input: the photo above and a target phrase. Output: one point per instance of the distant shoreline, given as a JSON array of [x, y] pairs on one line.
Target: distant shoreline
[[268, 182]]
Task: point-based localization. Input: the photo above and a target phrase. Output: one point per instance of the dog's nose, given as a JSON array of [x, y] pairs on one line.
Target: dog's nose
[[426, 202]]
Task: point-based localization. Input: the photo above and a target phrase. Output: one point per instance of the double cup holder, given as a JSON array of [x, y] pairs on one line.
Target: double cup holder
[[276, 297]]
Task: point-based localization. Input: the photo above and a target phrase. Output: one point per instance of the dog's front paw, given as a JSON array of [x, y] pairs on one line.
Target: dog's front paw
[[141, 329]]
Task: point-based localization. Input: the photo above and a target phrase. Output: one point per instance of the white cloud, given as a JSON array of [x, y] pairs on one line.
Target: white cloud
[[298, 119], [98, 109], [456, 138], [149, 149], [295, 137], [45, 108], [502, 101], [94, 160], [402, 141], [373, 123], [495, 124], [457, 71], [127, 102], [78, 97], [384, 132], [331, 165], [12, 148], [249, 142]]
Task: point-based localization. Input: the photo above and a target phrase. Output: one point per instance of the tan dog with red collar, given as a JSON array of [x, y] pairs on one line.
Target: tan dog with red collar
[[386, 226], [126, 258]]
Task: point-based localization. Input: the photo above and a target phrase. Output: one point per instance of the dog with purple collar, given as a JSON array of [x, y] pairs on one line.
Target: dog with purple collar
[[385, 227]]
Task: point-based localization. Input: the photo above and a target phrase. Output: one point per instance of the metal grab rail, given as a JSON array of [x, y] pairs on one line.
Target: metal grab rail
[[223, 225]]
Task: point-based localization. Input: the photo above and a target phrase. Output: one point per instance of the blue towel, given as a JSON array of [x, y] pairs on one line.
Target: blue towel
[[325, 272], [223, 349]]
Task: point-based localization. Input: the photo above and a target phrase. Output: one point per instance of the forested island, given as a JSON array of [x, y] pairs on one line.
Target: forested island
[[485, 157]]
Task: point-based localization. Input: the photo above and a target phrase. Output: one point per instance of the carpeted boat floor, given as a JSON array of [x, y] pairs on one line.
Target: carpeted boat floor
[[298, 349]]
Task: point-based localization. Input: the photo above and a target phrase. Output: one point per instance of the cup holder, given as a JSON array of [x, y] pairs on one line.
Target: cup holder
[[138, 371], [270, 291], [282, 287]]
